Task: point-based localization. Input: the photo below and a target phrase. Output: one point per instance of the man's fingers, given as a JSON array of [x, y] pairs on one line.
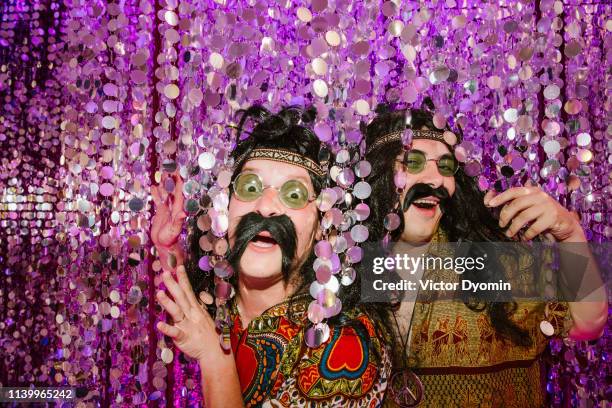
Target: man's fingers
[[163, 193], [169, 306], [508, 195], [490, 194], [510, 210], [155, 195], [536, 229], [183, 281], [522, 219], [160, 204], [179, 200], [160, 217], [176, 291], [169, 330]]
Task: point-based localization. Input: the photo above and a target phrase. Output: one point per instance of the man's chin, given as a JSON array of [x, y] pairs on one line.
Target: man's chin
[[260, 280], [259, 263], [419, 227]]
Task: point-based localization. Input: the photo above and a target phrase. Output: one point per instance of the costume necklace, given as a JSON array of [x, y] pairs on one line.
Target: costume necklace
[[406, 389]]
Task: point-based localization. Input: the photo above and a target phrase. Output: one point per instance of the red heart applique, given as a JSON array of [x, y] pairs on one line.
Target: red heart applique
[[346, 353]]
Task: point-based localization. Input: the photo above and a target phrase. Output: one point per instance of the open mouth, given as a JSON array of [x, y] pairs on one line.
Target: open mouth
[[263, 240], [425, 203]]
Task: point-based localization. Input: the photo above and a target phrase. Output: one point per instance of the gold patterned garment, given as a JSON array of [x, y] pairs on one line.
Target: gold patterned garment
[[277, 369], [463, 362]]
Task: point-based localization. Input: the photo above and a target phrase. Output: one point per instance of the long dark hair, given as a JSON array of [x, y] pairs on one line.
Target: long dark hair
[[466, 218]]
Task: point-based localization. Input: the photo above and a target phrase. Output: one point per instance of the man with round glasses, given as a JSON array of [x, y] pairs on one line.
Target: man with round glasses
[[273, 224], [453, 352]]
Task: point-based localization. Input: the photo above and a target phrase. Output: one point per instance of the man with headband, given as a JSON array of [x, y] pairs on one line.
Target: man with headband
[[273, 225], [454, 353]]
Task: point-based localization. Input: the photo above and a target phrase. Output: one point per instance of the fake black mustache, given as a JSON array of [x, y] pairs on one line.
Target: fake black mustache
[[421, 190], [280, 227]]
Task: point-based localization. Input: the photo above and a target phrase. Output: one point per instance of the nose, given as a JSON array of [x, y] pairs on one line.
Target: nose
[[431, 175], [269, 205]]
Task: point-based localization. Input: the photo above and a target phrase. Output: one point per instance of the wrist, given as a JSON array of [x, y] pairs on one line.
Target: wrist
[[221, 362]]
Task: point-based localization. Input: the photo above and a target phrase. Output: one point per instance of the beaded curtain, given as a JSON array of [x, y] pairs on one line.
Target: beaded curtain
[[98, 98]]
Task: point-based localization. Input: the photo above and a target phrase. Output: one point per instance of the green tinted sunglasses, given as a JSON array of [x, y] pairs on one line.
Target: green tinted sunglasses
[[415, 161], [293, 193]]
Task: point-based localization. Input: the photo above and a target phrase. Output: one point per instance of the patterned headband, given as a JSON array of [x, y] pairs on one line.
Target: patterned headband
[[446, 137], [284, 156]]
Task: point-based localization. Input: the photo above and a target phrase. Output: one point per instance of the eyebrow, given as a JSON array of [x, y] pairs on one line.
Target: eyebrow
[[432, 158]]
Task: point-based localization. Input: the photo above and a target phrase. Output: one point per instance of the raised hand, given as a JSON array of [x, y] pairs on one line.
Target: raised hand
[[193, 331], [530, 204], [167, 222]]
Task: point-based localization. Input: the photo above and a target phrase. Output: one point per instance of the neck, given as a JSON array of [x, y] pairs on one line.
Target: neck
[[411, 248], [416, 240], [256, 295]]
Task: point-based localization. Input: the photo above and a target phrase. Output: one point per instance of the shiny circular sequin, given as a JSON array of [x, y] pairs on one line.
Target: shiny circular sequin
[[206, 160], [304, 14], [167, 355], [319, 66], [320, 88], [583, 139], [363, 169], [362, 190], [316, 312], [450, 138], [348, 276], [171, 91], [391, 222], [323, 249], [332, 38], [359, 233], [326, 199], [547, 328], [362, 107], [362, 211], [316, 335]]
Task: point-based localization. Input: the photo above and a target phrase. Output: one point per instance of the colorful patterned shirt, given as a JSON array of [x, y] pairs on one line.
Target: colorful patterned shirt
[[463, 362], [277, 369]]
